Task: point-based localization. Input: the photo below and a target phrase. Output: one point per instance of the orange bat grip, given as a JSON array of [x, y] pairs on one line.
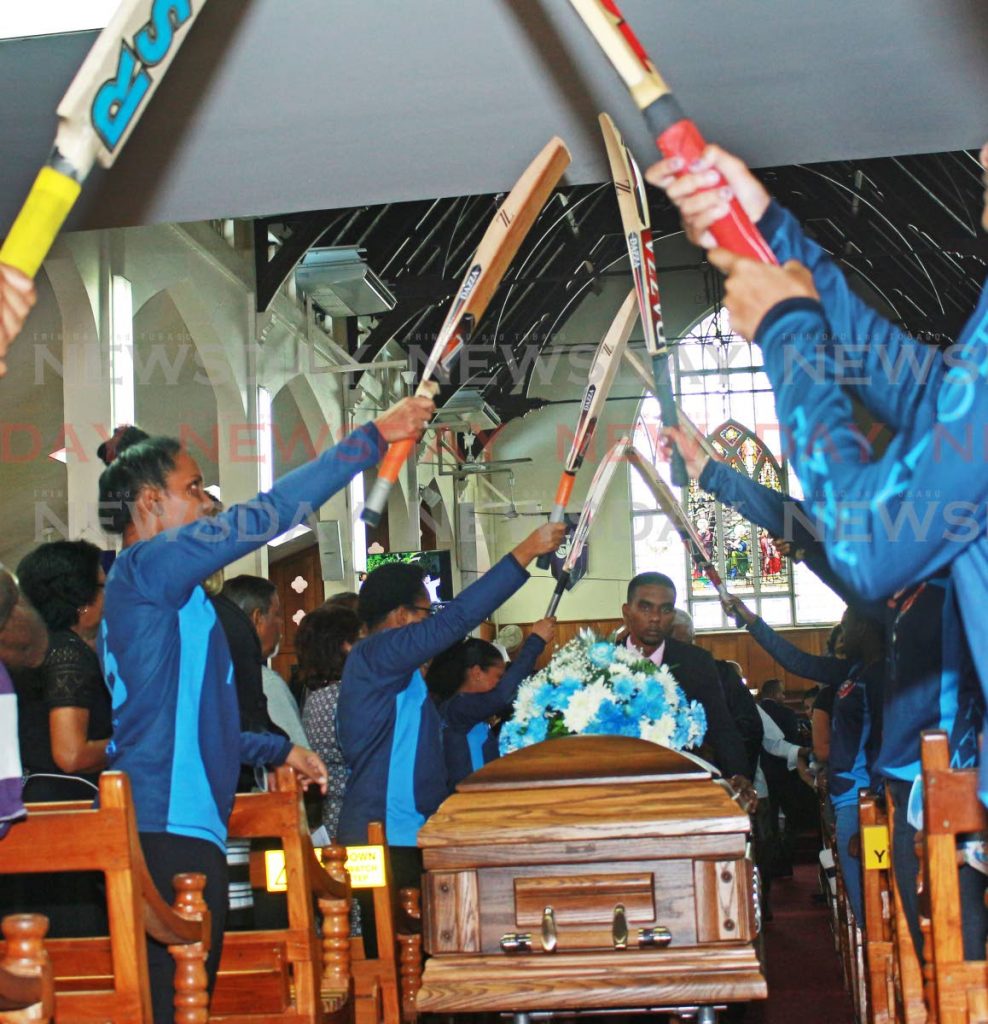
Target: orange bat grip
[[565, 488]]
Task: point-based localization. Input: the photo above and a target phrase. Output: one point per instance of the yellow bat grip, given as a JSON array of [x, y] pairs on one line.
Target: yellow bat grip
[[40, 220]]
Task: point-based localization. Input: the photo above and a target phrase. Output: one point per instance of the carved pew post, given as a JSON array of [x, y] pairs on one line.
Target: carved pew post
[[950, 808], [876, 893], [410, 944], [26, 985], [191, 997], [335, 926]]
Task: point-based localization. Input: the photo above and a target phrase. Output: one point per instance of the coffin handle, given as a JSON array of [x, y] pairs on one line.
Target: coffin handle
[[619, 927], [550, 939]]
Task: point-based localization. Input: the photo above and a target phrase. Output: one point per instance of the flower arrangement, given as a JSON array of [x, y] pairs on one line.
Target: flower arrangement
[[592, 687]]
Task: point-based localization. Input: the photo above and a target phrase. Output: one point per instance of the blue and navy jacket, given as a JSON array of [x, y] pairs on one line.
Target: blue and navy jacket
[[931, 681], [176, 723], [819, 667], [468, 741], [389, 726], [856, 733], [893, 521]]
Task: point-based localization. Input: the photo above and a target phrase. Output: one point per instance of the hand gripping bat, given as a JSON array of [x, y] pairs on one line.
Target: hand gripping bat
[[675, 134], [595, 497], [497, 248]]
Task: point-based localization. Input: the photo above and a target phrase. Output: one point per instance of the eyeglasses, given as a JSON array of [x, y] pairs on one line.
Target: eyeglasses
[[427, 610]]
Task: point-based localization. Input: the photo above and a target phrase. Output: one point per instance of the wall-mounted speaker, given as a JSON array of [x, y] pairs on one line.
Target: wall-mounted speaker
[[330, 549]]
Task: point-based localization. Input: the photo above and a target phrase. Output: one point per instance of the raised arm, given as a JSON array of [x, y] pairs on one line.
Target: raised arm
[[817, 667], [890, 372], [393, 652], [464, 710]]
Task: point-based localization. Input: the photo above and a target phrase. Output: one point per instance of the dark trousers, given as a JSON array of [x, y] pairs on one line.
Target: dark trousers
[[166, 856], [905, 864], [406, 872]]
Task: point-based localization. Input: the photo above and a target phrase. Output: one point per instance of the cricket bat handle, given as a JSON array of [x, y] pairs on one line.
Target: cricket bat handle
[[395, 457], [558, 513], [682, 138], [557, 594], [41, 218], [670, 415]]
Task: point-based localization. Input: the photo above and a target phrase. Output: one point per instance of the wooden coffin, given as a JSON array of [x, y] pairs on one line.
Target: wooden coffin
[[588, 872]]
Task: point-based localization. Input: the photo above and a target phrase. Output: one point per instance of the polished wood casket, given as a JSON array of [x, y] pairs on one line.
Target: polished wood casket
[[589, 873]]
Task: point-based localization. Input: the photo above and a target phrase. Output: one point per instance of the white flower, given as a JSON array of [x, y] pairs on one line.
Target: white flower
[[619, 671], [584, 704], [627, 655], [524, 701], [659, 731]]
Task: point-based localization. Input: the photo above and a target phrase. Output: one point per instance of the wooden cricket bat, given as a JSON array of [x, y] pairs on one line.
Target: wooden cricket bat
[[497, 249], [595, 497], [675, 134], [606, 363], [674, 511], [105, 101], [633, 205]]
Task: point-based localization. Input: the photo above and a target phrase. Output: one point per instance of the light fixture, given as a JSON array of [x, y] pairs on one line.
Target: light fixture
[[121, 352], [265, 440], [61, 455], [296, 531]]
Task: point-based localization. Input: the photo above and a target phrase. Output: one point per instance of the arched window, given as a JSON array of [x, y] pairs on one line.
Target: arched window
[[722, 387]]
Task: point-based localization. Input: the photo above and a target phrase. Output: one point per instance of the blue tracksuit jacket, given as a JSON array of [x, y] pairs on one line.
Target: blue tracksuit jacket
[[468, 741], [176, 724], [387, 723], [892, 521]]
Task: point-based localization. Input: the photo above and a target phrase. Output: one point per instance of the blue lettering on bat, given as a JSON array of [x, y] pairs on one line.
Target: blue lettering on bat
[[155, 40], [118, 100]]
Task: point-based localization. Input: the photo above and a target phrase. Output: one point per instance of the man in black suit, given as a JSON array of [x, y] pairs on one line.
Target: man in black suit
[[649, 616]]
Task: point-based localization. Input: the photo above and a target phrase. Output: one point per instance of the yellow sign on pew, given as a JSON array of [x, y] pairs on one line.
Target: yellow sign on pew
[[875, 845], [365, 865]]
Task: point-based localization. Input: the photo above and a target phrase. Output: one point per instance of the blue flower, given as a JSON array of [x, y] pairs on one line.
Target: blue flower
[[542, 698], [612, 720], [650, 702], [624, 688], [563, 691], [538, 729], [512, 737], [601, 654]]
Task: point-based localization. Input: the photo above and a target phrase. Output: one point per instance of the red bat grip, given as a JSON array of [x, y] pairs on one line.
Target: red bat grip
[[735, 231]]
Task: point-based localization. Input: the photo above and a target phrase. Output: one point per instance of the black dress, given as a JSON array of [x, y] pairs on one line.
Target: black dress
[[69, 677]]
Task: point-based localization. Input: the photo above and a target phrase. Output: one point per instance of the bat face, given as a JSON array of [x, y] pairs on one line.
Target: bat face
[[119, 76]]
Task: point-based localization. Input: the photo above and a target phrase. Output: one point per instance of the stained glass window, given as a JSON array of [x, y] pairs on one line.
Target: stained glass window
[[722, 387]]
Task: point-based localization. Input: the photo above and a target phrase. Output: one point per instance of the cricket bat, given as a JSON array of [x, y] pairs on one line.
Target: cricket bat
[[631, 358], [674, 133], [674, 511], [633, 205], [497, 249], [105, 101], [595, 498], [606, 363]]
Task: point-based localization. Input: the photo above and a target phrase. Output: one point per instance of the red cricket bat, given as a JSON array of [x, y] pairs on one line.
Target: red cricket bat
[[633, 205], [595, 497], [675, 134], [674, 511], [105, 101], [606, 362], [497, 249]]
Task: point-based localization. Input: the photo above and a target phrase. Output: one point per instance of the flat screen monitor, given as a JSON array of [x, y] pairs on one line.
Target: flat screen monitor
[[436, 564]]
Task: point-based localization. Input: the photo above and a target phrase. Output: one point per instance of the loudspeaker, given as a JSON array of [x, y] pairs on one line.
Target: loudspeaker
[[330, 549]]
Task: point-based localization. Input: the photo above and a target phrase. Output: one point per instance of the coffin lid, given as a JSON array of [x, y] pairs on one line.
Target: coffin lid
[[583, 787]]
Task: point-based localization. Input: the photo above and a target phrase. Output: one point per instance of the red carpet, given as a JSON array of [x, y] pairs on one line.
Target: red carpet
[[804, 973]]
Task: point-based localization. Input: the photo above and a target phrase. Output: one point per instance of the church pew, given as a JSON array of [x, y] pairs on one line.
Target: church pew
[[27, 991], [951, 807], [385, 986], [107, 978], [289, 975], [877, 893], [910, 1005]]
